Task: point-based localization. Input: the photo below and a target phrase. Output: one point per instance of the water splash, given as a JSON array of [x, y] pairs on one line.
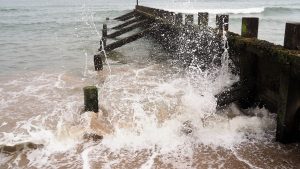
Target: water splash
[[164, 114]]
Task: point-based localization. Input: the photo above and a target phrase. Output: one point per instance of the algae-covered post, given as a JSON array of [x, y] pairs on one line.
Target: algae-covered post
[[292, 36], [250, 27], [222, 22], [203, 18], [189, 19], [91, 99]]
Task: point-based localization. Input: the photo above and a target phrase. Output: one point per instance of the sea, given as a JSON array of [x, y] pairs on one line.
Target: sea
[[147, 100]]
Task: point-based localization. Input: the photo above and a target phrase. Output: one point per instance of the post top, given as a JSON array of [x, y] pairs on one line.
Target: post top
[[90, 88], [250, 17], [222, 15], [293, 23], [205, 13]]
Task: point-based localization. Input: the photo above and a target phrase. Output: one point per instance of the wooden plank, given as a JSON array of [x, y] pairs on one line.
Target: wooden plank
[[129, 39], [128, 29], [237, 92], [121, 18], [128, 23], [157, 14]]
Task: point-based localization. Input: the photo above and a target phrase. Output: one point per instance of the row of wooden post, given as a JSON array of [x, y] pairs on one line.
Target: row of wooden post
[[249, 27], [249, 30]]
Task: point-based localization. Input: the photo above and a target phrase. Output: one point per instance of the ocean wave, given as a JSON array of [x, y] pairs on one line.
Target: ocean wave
[[217, 11], [281, 10], [257, 10], [6, 10]]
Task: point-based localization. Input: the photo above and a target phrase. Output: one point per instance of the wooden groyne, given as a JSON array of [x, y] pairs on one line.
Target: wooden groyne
[[269, 73]]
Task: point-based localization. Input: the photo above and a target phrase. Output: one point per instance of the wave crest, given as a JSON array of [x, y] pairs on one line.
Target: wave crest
[[255, 10]]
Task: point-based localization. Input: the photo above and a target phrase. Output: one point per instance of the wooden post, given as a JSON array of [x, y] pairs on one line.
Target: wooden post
[[172, 17], [137, 2], [189, 19], [222, 22], [203, 18], [250, 27], [292, 36], [288, 111], [282, 131], [91, 99], [104, 36], [98, 62], [104, 30], [178, 19]]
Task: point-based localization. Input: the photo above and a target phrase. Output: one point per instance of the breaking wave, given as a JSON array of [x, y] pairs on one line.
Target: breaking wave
[[256, 10]]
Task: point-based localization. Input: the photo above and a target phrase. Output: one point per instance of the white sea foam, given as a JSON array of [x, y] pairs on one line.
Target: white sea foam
[[3, 124]]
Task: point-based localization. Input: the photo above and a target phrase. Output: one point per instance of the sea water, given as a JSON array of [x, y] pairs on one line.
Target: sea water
[[46, 52]]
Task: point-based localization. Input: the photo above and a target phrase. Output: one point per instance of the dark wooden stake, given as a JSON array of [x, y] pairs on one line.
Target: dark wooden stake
[[172, 17], [104, 36], [292, 36], [203, 18], [189, 19], [98, 62], [104, 30], [91, 99], [250, 27], [222, 21], [178, 19]]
